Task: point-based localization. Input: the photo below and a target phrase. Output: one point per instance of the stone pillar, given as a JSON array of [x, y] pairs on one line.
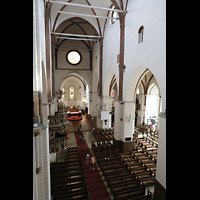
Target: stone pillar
[[107, 106], [99, 122], [118, 127], [124, 125], [93, 103]]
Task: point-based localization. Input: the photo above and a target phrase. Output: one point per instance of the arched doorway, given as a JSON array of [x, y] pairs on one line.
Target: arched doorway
[[138, 87]]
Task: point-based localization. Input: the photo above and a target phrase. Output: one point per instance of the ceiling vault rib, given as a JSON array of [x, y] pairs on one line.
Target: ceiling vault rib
[[85, 6], [68, 34], [69, 38], [96, 18], [85, 15]]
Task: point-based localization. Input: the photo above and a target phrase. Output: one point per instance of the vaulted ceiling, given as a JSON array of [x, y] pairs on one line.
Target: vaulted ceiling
[[98, 23], [69, 19]]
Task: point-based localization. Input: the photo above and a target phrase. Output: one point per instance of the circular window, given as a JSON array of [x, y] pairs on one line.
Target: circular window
[[73, 57]]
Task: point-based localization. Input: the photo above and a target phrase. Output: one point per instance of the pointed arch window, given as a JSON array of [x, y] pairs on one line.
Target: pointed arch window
[[140, 34], [71, 93]]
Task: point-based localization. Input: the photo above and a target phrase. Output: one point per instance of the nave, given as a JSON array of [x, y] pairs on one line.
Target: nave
[[106, 59], [116, 176]]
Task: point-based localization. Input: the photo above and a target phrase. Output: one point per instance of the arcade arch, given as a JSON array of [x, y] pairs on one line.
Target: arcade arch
[[107, 82], [81, 91], [147, 101], [143, 90]]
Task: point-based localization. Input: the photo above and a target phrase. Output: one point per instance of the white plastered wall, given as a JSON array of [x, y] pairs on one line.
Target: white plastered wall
[[41, 181], [150, 54]]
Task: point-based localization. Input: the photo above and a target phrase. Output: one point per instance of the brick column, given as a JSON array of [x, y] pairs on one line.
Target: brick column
[[100, 66], [121, 62], [48, 52]]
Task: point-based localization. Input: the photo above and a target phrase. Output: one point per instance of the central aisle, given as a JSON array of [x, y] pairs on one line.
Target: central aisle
[[95, 183]]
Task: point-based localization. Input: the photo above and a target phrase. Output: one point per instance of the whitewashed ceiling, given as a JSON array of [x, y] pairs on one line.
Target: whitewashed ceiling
[[58, 19]]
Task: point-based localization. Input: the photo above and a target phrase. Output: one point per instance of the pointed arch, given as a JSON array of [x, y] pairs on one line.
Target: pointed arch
[[112, 83], [107, 81]]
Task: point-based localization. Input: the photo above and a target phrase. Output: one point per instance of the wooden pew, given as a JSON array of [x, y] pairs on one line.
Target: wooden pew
[[68, 173], [146, 197], [148, 162], [136, 167], [114, 171], [68, 168], [68, 178], [69, 184], [147, 182], [84, 195], [119, 180], [107, 158], [70, 190], [118, 174], [130, 194], [111, 166], [67, 164], [109, 162], [112, 163], [103, 135], [125, 186], [144, 176], [113, 156]]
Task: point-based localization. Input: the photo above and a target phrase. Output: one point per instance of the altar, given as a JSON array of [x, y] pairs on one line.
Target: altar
[[74, 114]]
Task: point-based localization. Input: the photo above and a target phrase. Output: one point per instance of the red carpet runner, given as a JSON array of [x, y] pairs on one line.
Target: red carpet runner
[[95, 183]]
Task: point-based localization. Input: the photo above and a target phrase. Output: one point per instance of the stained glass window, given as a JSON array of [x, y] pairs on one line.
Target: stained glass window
[[71, 93]]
